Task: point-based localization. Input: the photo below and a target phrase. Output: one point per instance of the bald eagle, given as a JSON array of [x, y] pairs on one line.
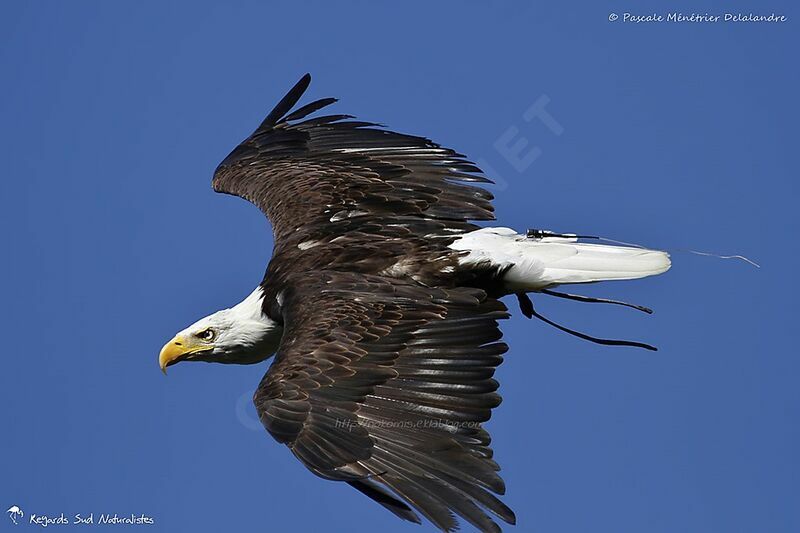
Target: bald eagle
[[381, 307]]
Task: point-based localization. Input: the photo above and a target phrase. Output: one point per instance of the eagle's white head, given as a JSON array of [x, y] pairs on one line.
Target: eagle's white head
[[241, 335]]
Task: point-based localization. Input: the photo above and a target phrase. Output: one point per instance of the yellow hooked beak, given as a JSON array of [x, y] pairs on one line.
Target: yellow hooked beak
[[179, 348]]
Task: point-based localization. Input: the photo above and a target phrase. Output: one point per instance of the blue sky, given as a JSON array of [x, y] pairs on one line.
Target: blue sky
[[677, 136]]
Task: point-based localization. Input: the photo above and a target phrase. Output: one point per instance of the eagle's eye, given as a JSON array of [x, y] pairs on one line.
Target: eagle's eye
[[206, 335]]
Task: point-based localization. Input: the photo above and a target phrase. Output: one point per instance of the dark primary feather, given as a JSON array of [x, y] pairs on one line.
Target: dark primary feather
[[287, 102], [374, 491], [384, 373], [384, 383]]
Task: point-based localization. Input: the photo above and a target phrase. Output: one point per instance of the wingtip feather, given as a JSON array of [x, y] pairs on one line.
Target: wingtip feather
[[287, 102]]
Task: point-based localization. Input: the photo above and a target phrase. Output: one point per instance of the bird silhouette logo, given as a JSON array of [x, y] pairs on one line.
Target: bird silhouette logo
[[15, 512]]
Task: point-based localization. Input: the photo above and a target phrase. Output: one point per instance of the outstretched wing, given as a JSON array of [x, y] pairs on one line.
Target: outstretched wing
[[384, 384], [330, 174]]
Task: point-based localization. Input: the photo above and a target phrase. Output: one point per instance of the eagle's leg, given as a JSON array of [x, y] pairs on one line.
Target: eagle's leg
[[525, 303]]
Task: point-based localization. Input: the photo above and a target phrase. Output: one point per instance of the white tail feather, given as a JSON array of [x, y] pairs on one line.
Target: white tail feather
[[540, 263]]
